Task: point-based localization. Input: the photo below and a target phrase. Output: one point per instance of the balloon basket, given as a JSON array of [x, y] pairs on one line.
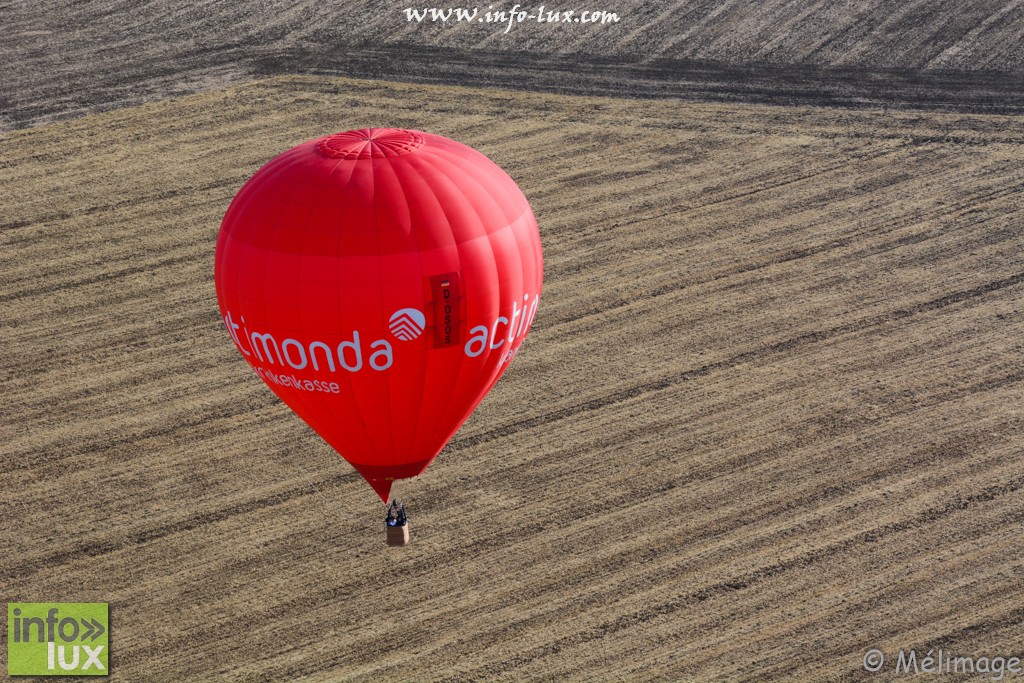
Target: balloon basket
[[398, 535]]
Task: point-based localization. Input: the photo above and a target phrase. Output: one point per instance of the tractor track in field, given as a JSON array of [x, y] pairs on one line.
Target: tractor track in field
[[39, 94], [804, 348], [746, 356]]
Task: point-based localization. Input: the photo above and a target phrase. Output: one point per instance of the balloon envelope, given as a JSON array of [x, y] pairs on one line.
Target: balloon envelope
[[380, 281]]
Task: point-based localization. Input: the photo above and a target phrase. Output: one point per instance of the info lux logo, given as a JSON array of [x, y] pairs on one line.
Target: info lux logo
[[57, 639]]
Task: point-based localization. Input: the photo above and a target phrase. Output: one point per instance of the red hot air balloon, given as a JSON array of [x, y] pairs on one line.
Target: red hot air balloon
[[380, 281]]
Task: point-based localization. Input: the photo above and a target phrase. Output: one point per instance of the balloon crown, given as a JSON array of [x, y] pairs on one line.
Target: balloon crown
[[369, 143]]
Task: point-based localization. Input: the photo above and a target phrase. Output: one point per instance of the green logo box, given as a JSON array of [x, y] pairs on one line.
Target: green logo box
[[58, 639]]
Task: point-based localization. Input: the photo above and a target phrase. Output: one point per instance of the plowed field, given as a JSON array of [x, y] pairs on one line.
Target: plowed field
[[769, 415]]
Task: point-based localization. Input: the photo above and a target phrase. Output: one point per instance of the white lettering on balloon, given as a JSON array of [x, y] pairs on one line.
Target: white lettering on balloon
[[272, 359]]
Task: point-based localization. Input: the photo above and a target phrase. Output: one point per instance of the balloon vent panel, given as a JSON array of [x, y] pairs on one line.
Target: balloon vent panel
[[369, 143]]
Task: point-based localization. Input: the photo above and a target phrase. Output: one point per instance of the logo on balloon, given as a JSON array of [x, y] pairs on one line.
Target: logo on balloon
[[407, 324]]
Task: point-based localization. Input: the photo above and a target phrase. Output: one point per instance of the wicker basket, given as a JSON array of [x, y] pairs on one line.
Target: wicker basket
[[398, 535]]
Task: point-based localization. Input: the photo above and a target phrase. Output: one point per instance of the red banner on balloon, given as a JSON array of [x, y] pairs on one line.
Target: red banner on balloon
[[444, 290]]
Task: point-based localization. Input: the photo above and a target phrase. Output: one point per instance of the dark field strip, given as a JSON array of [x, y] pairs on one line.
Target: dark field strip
[[97, 55], [768, 417], [826, 85]]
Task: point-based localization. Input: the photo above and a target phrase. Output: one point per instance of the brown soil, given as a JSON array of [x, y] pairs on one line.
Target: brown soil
[[769, 415]]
